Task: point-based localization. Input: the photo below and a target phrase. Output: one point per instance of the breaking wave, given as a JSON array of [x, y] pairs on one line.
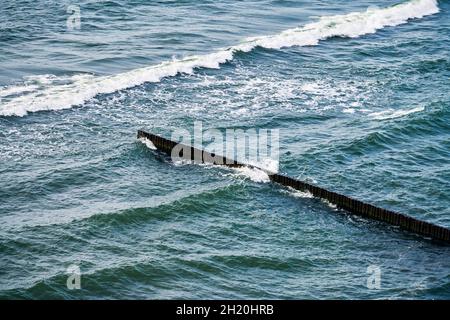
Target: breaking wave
[[49, 92]]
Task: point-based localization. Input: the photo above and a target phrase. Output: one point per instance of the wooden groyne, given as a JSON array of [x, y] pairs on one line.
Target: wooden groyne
[[349, 204]]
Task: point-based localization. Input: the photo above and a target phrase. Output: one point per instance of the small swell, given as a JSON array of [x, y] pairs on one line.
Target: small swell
[[392, 114]]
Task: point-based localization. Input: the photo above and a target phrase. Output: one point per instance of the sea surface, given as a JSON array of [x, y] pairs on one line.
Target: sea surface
[[360, 94]]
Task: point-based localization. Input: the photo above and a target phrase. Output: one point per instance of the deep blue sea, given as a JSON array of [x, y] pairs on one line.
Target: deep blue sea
[[360, 94]]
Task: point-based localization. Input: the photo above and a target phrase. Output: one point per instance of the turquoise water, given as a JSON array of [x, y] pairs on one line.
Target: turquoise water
[[358, 90]]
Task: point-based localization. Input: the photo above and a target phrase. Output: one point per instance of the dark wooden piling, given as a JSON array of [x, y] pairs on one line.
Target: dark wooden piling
[[349, 204]]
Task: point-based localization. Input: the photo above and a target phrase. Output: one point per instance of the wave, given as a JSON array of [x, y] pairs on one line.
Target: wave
[[54, 93], [148, 143], [253, 174], [392, 114], [258, 171], [299, 194]]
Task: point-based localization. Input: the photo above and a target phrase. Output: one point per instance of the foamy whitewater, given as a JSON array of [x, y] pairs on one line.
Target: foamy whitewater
[[148, 143], [256, 171], [49, 92], [392, 114]]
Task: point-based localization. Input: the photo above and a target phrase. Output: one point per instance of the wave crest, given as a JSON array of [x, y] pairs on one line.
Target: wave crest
[[66, 92]]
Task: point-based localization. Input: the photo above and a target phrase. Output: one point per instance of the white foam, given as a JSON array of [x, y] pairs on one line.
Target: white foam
[[10, 91], [329, 204], [258, 171], [270, 166], [253, 174], [147, 143], [392, 114], [76, 90], [300, 194]]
